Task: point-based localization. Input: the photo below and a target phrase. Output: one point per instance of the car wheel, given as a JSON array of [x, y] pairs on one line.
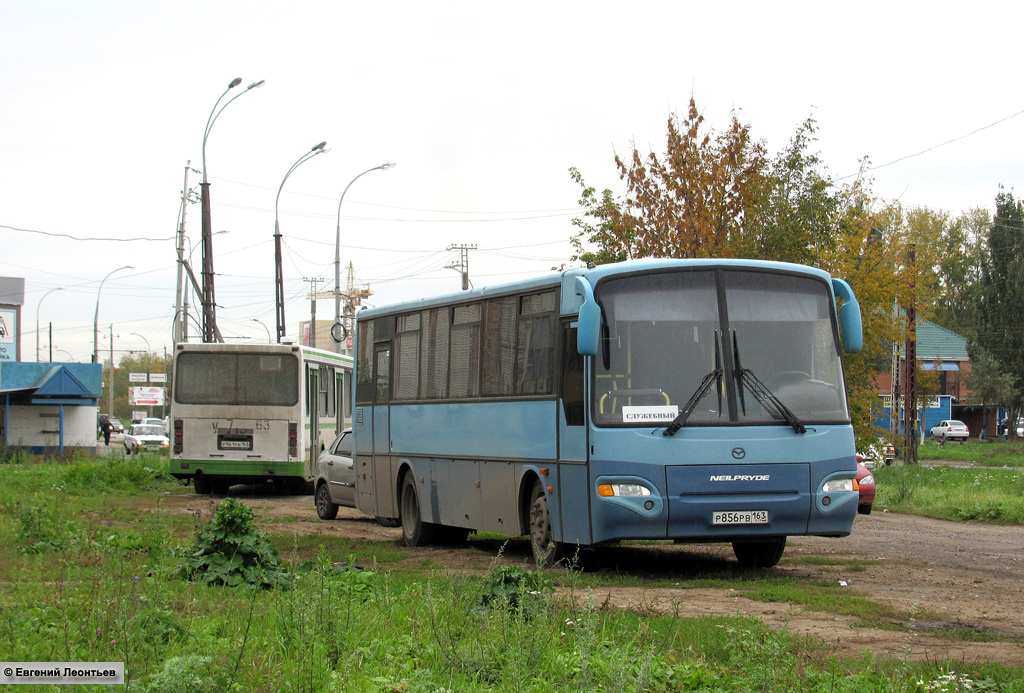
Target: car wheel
[[325, 509], [202, 485], [759, 554], [864, 509]]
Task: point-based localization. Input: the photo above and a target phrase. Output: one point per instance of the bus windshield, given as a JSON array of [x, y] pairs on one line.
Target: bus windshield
[[267, 379], [738, 346]]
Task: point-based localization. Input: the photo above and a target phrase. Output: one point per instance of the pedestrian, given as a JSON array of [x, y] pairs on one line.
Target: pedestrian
[[105, 427]]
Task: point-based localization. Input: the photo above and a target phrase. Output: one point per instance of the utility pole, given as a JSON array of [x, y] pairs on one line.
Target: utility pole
[[313, 281], [910, 386], [463, 266], [180, 318], [345, 327]]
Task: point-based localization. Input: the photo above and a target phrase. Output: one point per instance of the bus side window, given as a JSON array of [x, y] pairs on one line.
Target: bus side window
[[572, 379]]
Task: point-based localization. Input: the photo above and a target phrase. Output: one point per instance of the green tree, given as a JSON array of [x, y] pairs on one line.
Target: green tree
[[962, 250], [1002, 295], [698, 199], [132, 362], [989, 384]]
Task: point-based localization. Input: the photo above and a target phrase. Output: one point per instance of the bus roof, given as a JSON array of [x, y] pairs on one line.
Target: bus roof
[[307, 352], [593, 275]]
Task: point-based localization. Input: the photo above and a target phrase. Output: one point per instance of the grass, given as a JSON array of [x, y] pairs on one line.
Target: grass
[[985, 453], [89, 571], [980, 494]]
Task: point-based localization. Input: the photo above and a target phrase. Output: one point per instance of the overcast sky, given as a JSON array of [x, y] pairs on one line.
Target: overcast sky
[[483, 106]]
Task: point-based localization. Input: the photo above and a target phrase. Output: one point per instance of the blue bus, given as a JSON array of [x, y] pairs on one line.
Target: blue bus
[[684, 400]]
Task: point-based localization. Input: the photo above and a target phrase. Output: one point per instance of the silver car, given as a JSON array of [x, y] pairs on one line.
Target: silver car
[[335, 478], [950, 430], [145, 437]]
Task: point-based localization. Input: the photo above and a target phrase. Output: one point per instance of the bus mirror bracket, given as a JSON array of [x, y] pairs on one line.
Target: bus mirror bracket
[[849, 317], [589, 329]]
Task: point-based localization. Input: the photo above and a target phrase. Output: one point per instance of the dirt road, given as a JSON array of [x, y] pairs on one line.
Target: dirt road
[[945, 576]]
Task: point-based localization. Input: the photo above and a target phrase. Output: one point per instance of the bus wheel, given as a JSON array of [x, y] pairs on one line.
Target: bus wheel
[[415, 531], [759, 554], [325, 509], [202, 484], [546, 552]]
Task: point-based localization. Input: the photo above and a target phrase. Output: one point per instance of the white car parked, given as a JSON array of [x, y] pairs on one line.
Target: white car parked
[[950, 430], [145, 437]]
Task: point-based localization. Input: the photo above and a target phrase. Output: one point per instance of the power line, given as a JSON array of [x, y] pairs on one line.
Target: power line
[[925, 151], [77, 238]]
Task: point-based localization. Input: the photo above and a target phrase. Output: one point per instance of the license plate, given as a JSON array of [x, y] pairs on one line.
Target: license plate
[[739, 517], [236, 445]]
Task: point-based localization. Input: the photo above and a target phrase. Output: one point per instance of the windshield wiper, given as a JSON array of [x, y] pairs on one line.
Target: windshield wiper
[[765, 397], [712, 378]]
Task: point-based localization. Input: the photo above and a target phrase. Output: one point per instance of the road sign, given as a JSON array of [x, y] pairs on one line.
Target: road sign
[[138, 377]]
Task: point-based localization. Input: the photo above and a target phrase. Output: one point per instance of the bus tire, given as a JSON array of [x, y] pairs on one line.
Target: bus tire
[[202, 484], [415, 531], [546, 551], [325, 509], [759, 554]]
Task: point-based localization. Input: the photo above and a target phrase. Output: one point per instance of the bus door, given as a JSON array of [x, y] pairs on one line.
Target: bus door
[[313, 420], [573, 478], [383, 481]]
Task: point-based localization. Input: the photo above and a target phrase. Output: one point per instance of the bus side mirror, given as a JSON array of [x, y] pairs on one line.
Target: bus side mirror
[[588, 330], [849, 318]]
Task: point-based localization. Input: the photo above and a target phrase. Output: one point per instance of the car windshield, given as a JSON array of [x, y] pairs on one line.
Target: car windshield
[[771, 336], [148, 430]]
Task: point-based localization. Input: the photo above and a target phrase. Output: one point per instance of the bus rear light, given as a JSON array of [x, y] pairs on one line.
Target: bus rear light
[[179, 435], [293, 439]]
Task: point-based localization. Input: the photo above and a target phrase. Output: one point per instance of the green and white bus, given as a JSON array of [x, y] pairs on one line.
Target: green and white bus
[[250, 413]]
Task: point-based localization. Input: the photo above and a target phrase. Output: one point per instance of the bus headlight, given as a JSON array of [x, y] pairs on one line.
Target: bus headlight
[[837, 486], [622, 490]]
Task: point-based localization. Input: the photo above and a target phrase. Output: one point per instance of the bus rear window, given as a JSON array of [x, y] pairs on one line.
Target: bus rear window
[[237, 379]]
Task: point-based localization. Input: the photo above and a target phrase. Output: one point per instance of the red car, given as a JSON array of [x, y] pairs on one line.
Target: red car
[[865, 484]]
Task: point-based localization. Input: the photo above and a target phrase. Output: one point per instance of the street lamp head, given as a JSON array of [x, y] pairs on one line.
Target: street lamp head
[[235, 82], [255, 85], [319, 146], [385, 167]]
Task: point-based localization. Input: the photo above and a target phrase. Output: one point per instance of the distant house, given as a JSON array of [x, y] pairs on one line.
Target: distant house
[[945, 351], [49, 407]]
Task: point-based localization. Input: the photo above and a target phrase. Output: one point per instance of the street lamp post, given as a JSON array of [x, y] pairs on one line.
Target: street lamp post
[[96, 318], [209, 306], [269, 340], [278, 272], [337, 254], [59, 288]]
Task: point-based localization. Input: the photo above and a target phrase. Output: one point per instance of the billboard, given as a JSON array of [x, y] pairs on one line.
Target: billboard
[[148, 396], [8, 334]]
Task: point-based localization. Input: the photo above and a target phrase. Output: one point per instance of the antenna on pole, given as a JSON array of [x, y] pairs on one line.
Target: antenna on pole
[[463, 266], [313, 281]]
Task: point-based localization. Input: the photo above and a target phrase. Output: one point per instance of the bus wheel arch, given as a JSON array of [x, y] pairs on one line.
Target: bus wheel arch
[[415, 531], [546, 551]]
